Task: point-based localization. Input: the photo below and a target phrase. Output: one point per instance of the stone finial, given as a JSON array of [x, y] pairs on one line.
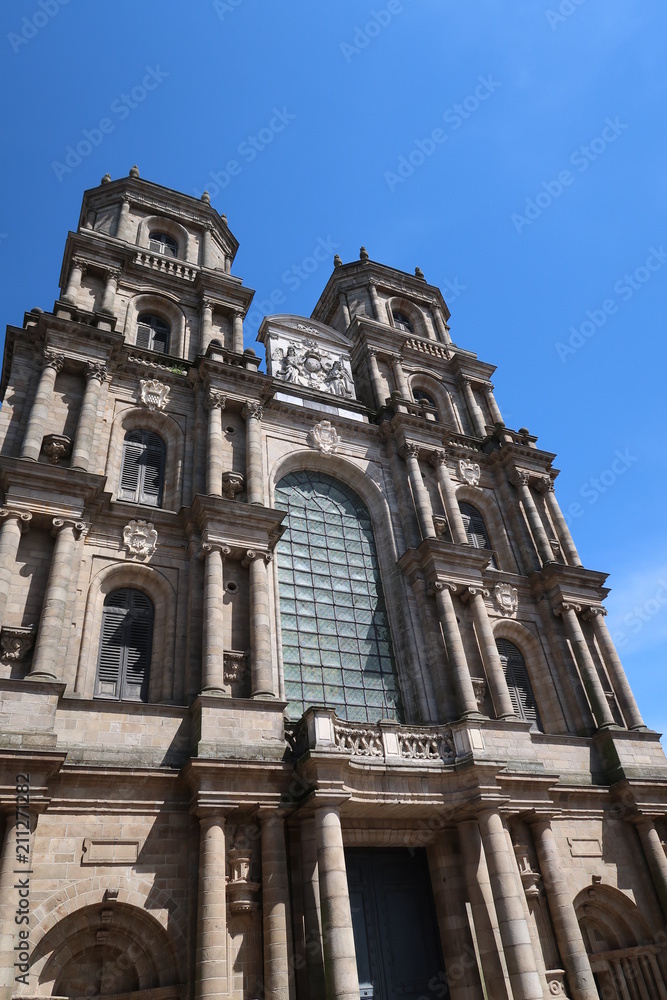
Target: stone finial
[[206, 198], [337, 261], [134, 171], [106, 179], [419, 273], [224, 218], [363, 254]]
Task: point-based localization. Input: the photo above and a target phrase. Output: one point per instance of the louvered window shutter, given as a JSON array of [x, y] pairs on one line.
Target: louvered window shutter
[[152, 471], [143, 335], [125, 646], [133, 450], [153, 333], [518, 682], [476, 532], [142, 476]]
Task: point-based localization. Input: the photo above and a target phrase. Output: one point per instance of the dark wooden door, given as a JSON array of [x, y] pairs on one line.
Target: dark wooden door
[[395, 928]]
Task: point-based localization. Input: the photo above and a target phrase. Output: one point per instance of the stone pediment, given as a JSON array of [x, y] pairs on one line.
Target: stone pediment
[[307, 354]]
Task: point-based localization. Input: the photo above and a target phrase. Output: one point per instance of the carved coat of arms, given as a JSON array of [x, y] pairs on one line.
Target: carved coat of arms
[[324, 437], [470, 472], [154, 394], [507, 598], [140, 539], [310, 366]]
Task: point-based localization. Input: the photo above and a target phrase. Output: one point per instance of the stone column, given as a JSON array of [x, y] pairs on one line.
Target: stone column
[[340, 960], [345, 309], [587, 668], [52, 620], [474, 409], [14, 523], [206, 246], [211, 952], [622, 689], [76, 274], [260, 624], [566, 926], [546, 485], [420, 496], [85, 431], [237, 331], [110, 289], [122, 227], [496, 415], [480, 895], [39, 413], [655, 857], [522, 482], [205, 325], [440, 324], [495, 674], [379, 390], [275, 909], [213, 627], [9, 900], [252, 413], [215, 403], [458, 665], [400, 380], [312, 911], [452, 509], [378, 308], [514, 931]]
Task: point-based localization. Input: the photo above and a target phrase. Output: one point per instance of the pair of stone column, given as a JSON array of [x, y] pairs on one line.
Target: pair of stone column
[[96, 375], [252, 412], [213, 975], [596, 695], [78, 269], [474, 409], [14, 524], [213, 653], [206, 327]]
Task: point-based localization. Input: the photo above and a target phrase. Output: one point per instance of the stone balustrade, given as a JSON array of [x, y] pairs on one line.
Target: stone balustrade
[[166, 265]]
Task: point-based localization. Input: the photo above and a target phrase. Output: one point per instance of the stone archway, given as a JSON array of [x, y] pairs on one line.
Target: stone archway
[[627, 961]]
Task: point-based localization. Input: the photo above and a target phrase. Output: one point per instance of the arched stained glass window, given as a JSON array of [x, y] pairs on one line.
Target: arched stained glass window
[[335, 630]]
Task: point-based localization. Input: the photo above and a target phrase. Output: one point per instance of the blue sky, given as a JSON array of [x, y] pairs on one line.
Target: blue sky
[[514, 150]]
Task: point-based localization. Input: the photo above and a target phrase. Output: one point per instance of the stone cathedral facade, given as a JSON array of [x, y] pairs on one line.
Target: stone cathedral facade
[[306, 694]]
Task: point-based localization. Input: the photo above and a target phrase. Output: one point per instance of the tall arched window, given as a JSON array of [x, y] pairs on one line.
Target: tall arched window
[[125, 646], [142, 475], [518, 682], [161, 243], [337, 648], [153, 333]]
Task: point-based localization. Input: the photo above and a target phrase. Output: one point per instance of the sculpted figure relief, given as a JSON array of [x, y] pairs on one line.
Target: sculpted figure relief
[[311, 366]]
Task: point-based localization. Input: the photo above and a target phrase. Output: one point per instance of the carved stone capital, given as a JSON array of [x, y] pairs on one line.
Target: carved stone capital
[[53, 360], [411, 450], [371, 352], [566, 606], [215, 400], [113, 273], [253, 554], [208, 547], [440, 585], [437, 458], [207, 304], [81, 264], [542, 484], [488, 387], [520, 478], [473, 591], [465, 380], [590, 614], [98, 370], [252, 410], [23, 517], [59, 523]]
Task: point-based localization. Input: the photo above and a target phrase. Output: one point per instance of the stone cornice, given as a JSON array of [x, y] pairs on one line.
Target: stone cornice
[[28, 485], [238, 525]]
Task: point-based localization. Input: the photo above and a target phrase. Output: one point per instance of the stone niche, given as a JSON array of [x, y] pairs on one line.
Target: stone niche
[[305, 354]]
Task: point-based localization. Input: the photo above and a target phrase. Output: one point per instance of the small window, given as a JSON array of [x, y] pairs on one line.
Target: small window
[[161, 243], [402, 322], [142, 476], [476, 532], [518, 682], [423, 397], [153, 333], [125, 646]]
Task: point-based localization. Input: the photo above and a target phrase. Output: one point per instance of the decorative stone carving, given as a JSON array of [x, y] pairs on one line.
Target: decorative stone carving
[[556, 982], [53, 360], [16, 642], [427, 746], [469, 472], [241, 891], [235, 666], [97, 370], [529, 878], [140, 539], [440, 524], [56, 447], [359, 742], [307, 364], [324, 437], [507, 598], [232, 484], [154, 394], [479, 687]]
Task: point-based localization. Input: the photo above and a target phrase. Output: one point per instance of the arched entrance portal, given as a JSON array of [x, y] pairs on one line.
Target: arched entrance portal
[[626, 961]]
